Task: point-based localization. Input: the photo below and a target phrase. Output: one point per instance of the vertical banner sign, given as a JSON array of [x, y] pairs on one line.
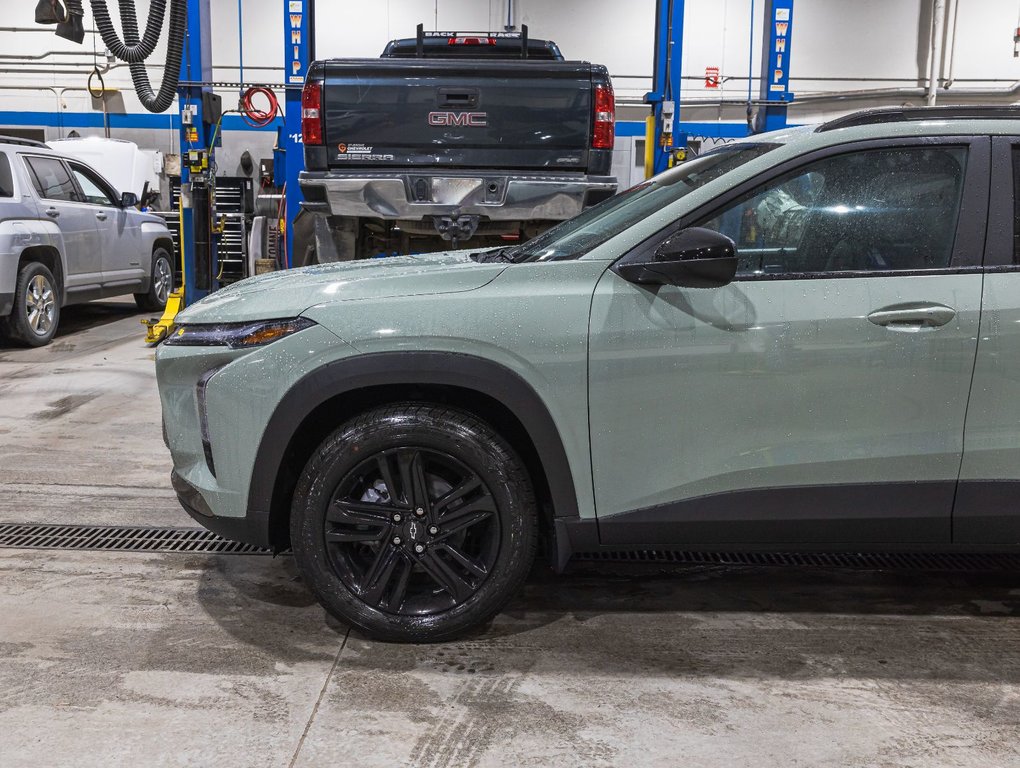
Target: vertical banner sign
[[776, 69], [296, 41], [298, 48]]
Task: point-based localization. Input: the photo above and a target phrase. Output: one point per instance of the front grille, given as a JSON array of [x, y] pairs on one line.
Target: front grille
[[953, 561], [102, 538]]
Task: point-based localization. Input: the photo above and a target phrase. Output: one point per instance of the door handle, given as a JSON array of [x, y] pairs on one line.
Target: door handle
[[919, 316], [101, 216], [52, 213]]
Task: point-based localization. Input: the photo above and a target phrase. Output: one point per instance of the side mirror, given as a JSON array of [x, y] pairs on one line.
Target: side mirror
[[128, 200], [692, 258]]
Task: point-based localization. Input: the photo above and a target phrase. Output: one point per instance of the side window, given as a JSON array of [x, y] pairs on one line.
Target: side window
[[95, 189], [6, 177], [1016, 205], [51, 179], [875, 210]]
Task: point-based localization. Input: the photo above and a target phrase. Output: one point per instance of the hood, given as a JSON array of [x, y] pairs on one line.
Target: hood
[[290, 292]]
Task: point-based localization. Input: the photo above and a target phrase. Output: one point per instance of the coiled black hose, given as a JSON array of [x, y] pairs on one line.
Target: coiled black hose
[[131, 51], [152, 101]]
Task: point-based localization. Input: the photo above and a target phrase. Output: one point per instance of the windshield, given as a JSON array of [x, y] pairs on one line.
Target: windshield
[[575, 237]]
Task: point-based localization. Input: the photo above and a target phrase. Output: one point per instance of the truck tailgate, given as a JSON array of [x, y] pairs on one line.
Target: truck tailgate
[[458, 113]]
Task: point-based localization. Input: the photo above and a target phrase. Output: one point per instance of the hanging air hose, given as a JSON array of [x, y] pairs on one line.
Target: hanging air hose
[[134, 49], [255, 117], [140, 51]]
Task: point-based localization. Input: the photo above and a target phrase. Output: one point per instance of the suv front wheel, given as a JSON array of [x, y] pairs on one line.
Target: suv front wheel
[[36, 311], [414, 523]]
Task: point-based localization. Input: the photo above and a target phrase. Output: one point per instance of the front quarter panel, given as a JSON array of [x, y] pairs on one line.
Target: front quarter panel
[[532, 319]]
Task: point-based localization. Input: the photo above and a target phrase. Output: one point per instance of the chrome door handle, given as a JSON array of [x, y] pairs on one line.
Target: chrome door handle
[[101, 216], [913, 317], [52, 213]]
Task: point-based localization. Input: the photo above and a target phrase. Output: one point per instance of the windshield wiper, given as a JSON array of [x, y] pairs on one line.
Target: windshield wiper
[[494, 255]]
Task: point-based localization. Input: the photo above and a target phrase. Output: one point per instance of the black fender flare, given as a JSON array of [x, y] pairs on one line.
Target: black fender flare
[[411, 368]]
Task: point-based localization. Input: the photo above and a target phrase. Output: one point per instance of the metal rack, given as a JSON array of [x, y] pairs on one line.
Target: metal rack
[[235, 208]]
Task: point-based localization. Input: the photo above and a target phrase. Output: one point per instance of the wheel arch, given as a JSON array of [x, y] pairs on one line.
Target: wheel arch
[[49, 256], [323, 399]]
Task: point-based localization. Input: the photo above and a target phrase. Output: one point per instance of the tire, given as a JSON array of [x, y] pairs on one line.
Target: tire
[[36, 312], [160, 285], [436, 559]]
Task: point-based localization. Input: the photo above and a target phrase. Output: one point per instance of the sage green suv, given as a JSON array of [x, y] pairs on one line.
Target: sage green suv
[[807, 340]]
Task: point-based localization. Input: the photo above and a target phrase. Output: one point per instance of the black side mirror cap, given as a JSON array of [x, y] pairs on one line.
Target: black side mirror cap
[[128, 200], [692, 258]]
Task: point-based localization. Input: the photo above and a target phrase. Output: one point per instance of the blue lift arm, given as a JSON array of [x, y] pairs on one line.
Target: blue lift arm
[[664, 97]]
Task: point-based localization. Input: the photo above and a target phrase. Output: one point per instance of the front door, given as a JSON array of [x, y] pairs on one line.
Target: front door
[[119, 232], [60, 202], [820, 397]]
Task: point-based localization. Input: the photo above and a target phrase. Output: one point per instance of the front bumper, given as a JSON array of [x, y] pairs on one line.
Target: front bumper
[[492, 196], [251, 529], [240, 398]]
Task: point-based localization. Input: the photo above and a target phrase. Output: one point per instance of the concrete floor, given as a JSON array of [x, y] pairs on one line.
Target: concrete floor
[[114, 659]]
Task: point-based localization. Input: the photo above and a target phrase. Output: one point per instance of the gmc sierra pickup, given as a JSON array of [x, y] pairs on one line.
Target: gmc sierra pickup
[[447, 139]]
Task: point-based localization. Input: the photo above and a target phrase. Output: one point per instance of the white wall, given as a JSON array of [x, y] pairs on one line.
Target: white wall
[[850, 42]]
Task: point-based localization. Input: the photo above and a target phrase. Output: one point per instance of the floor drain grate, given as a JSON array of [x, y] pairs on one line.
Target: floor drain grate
[[952, 561], [105, 538]]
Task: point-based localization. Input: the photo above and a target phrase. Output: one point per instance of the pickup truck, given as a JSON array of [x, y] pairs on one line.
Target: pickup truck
[[448, 139]]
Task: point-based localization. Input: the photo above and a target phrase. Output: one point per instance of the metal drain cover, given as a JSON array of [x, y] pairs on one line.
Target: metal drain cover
[[103, 538]]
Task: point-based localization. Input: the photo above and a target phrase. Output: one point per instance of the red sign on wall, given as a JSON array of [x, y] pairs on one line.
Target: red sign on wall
[[712, 78]]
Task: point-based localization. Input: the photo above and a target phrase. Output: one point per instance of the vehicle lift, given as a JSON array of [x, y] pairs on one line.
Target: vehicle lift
[[200, 119], [665, 137]]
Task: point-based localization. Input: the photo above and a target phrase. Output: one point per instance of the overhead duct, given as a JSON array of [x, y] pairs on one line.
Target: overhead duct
[[135, 49]]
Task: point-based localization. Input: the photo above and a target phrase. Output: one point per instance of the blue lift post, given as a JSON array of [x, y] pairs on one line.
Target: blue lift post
[[196, 239], [665, 95], [289, 159], [775, 65]]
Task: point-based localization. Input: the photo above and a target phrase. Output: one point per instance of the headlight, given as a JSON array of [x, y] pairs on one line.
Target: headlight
[[235, 335]]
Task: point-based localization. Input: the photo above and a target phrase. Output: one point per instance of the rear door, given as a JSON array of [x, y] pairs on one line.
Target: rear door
[[120, 233], [987, 511], [819, 398], [466, 113], [59, 200]]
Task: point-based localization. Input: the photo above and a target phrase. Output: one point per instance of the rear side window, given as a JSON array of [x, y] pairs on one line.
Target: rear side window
[[6, 177], [1016, 205], [51, 179]]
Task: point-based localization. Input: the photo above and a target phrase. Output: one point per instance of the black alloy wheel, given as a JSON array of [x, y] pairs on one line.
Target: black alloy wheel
[[412, 531], [414, 523]]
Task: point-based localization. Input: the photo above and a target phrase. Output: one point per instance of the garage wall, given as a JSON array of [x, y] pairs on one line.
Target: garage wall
[[837, 47]]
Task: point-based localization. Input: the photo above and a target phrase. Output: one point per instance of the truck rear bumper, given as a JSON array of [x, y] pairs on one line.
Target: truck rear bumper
[[492, 196]]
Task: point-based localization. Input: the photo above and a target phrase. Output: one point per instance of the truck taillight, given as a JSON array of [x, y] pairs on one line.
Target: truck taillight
[[604, 129], [311, 113]]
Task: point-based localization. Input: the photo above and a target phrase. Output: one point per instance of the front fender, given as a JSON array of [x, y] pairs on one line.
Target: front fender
[[410, 369]]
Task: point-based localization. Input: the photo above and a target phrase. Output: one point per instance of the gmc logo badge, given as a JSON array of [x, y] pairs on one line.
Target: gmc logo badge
[[470, 119]]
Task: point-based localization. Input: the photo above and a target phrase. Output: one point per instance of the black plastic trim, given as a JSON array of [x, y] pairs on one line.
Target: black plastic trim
[[6, 304], [410, 369], [1001, 217], [987, 513], [252, 529], [866, 513]]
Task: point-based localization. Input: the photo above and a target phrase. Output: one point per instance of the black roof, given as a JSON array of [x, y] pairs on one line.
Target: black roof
[[905, 114]]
